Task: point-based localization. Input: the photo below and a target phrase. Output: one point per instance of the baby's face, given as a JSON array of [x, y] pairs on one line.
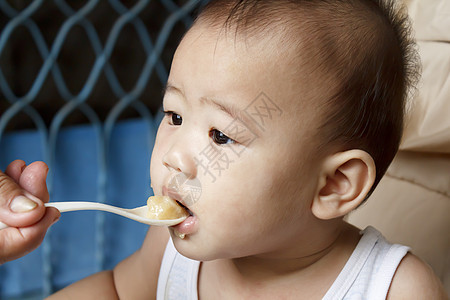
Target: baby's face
[[238, 125]]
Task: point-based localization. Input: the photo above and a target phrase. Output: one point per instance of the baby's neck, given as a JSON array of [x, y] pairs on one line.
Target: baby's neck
[[314, 272], [293, 260]]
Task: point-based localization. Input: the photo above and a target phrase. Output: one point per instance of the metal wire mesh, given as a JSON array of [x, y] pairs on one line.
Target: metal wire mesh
[[83, 25]]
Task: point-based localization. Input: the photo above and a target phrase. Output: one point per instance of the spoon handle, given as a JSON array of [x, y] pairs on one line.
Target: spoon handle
[[137, 214], [82, 205], [79, 205], [67, 206]]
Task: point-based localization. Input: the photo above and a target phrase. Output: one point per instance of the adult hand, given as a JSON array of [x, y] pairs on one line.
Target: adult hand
[[23, 191]]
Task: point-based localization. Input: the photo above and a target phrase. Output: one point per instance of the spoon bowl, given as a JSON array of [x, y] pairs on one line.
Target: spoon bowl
[[138, 214]]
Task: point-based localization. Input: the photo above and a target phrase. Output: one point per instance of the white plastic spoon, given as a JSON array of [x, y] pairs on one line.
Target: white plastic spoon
[[136, 214]]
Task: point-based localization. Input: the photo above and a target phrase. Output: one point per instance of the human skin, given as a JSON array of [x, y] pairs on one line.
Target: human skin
[[258, 211], [258, 224], [29, 220], [271, 225], [268, 190]]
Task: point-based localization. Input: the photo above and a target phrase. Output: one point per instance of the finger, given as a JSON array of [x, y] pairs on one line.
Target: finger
[[17, 207], [17, 242], [33, 179], [14, 170]]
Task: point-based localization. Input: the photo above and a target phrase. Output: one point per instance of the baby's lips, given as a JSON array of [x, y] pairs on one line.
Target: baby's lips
[[171, 193], [187, 227], [177, 197]]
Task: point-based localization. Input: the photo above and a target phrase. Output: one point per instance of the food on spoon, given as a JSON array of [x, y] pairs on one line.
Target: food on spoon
[[164, 208]]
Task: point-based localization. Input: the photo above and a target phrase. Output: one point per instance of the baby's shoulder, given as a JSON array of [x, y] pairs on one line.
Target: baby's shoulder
[[137, 275], [414, 279], [153, 248]]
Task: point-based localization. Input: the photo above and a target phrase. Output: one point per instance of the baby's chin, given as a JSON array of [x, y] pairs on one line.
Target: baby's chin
[[193, 249]]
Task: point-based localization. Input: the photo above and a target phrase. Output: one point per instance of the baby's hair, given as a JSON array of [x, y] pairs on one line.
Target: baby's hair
[[362, 50]]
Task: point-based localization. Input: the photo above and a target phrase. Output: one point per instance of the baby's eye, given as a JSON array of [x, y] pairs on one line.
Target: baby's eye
[[176, 119], [220, 138]]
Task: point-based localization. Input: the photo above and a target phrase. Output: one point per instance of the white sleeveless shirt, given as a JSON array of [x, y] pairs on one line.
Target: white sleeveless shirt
[[367, 274]]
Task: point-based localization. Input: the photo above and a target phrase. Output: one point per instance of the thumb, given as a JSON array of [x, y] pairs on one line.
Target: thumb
[[18, 208]]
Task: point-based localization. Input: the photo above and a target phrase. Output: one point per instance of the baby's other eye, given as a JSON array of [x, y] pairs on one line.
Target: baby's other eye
[[220, 138], [175, 119]]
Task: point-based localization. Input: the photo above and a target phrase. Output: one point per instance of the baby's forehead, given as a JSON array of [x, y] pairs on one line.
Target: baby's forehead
[[269, 55], [274, 49], [252, 77]]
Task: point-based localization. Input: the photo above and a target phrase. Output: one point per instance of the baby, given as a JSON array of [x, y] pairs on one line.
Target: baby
[[285, 114]]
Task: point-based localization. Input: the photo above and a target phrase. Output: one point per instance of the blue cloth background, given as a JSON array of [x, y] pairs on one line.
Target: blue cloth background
[[75, 178]]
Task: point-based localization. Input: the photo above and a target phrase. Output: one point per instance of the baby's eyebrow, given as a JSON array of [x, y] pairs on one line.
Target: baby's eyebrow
[[228, 109], [234, 112], [171, 88], [231, 110]]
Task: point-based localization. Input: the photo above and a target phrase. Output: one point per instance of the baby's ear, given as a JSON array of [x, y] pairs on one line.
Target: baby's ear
[[344, 182]]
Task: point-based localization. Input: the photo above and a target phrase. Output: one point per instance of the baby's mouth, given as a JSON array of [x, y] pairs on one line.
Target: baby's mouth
[[177, 197], [165, 208], [185, 208], [181, 230]]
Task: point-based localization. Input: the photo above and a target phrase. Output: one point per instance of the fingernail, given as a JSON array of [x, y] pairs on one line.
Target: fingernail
[[22, 204]]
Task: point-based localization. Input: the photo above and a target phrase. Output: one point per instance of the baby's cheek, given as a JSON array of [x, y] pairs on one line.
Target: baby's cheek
[[155, 164], [159, 146]]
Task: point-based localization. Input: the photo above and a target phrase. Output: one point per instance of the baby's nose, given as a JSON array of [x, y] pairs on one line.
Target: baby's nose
[[179, 159]]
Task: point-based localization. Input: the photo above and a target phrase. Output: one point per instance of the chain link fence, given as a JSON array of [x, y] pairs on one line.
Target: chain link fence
[[80, 88]]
